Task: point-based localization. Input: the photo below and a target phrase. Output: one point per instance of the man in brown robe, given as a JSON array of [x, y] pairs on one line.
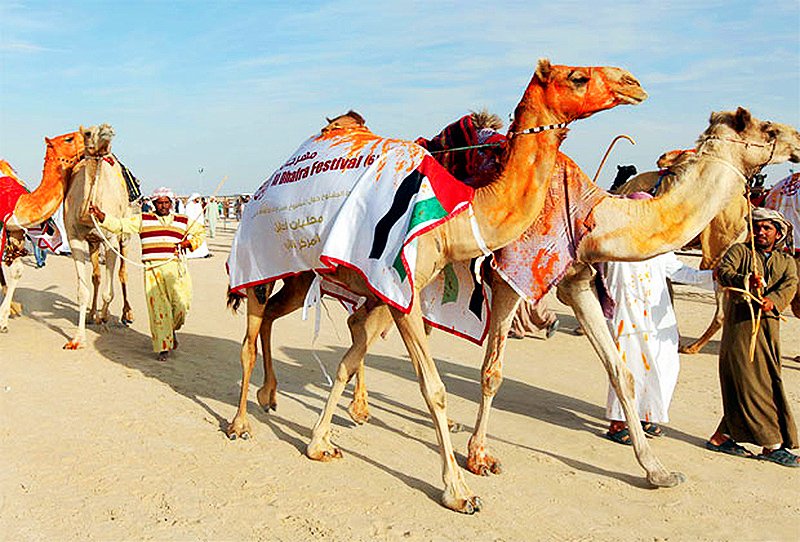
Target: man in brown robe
[[755, 407]]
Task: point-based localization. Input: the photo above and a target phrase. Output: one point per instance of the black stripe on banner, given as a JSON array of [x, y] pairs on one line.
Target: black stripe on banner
[[402, 198]]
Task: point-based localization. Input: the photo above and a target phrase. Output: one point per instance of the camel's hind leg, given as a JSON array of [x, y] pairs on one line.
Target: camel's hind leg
[[576, 291], [13, 277], [365, 326], [504, 305], [80, 256], [127, 312], [714, 326], [287, 300], [239, 426]]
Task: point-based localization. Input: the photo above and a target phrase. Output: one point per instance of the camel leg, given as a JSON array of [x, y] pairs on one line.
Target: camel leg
[[14, 275], [365, 326], [576, 291], [80, 256], [286, 301], [504, 305], [94, 255], [240, 427], [457, 495], [127, 312], [796, 298], [108, 286], [714, 326]]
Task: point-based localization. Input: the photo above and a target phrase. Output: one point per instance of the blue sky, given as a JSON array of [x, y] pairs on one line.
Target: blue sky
[[235, 87]]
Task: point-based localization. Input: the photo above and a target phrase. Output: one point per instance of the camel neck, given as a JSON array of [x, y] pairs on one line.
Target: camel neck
[[637, 229], [507, 207], [39, 205]]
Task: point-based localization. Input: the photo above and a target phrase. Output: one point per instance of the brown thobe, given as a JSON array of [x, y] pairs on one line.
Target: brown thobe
[[755, 406], [531, 316]]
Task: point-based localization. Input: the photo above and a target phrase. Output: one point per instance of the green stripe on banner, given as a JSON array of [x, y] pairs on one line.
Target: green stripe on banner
[[450, 294], [398, 266], [425, 211]]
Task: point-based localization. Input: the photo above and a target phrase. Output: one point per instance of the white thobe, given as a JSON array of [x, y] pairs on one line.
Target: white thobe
[[646, 331], [194, 212]]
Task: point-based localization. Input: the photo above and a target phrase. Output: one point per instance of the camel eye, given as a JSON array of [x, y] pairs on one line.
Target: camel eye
[[578, 78], [68, 139]]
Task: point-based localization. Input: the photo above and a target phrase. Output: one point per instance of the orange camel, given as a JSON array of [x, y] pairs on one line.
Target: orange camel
[[23, 210]]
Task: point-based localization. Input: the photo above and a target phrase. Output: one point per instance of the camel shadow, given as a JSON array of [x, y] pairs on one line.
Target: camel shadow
[[540, 404]]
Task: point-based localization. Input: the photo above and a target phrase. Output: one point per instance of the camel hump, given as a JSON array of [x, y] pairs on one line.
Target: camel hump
[[351, 119]]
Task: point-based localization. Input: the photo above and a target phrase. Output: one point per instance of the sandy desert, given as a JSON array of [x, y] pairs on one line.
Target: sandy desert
[[107, 443]]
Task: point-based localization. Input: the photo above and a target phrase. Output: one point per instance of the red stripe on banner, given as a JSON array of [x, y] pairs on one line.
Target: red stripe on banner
[[449, 191]]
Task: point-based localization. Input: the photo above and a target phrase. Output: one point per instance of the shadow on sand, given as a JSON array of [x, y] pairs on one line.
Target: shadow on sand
[[208, 368]]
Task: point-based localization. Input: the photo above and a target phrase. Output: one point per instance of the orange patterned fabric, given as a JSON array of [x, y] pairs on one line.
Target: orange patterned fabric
[[536, 261]]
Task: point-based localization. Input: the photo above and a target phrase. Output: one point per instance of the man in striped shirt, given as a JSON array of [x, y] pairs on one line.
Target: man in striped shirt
[[164, 236]]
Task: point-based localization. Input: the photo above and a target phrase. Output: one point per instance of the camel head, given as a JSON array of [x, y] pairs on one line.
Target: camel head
[[67, 149], [7, 170], [351, 119], [752, 142], [576, 92], [97, 139]]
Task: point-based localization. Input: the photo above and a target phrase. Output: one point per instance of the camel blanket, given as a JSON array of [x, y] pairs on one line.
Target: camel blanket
[[46, 235], [350, 198], [785, 198], [538, 260]]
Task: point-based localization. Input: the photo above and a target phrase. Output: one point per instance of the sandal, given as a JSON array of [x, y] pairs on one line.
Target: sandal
[[620, 437], [652, 429], [729, 447], [781, 456]]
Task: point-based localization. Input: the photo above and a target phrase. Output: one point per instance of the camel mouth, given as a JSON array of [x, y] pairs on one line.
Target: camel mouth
[[633, 98]]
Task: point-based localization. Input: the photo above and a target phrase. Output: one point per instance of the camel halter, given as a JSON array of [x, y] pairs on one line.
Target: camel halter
[[538, 129]]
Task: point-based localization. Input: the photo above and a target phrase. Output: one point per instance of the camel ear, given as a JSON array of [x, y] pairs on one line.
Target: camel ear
[[543, 70], [741, 119]]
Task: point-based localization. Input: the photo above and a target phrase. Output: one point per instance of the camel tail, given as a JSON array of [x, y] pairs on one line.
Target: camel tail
[[234, 300]]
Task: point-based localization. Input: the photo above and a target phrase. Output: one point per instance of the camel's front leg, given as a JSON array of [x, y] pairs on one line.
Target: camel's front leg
[[127, 312], [504, 305], [80, 256], [576, 290], [108, 285], [457, 495], [365, 327], [239, 426], [714, 326], [13, 274]]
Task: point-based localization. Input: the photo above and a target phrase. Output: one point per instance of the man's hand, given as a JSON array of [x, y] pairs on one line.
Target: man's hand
[[183, 245], [756, 283], [97, 213], [767, 305]]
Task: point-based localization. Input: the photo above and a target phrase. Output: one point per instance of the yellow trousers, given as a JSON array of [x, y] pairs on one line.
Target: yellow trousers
[[168, 288]]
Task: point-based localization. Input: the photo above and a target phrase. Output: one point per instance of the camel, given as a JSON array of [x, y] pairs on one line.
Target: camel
[[728, 227], [33, 208], [733, 148], [555, 95], [624, 173], [96, 179]]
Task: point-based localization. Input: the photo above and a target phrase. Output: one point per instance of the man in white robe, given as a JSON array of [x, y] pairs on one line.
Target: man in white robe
[[645, 330], [195, 214]]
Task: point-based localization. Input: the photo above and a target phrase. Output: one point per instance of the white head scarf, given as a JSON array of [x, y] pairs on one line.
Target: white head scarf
[[162, 192]]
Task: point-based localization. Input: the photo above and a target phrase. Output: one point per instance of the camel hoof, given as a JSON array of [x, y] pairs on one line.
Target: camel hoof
[[358, 413], [231, 436], [669, 480], [325, 455], [245, 436], [125, 321], [4, 329], [485, 467], [467, 506], [73, 345]]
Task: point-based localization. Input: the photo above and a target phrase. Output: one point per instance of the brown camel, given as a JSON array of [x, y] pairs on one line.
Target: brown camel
[[731, 150], [96, 179], [729, 226], [33, 208]]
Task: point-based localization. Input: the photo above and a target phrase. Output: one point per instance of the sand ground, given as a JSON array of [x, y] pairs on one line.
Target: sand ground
[[106, 443]]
